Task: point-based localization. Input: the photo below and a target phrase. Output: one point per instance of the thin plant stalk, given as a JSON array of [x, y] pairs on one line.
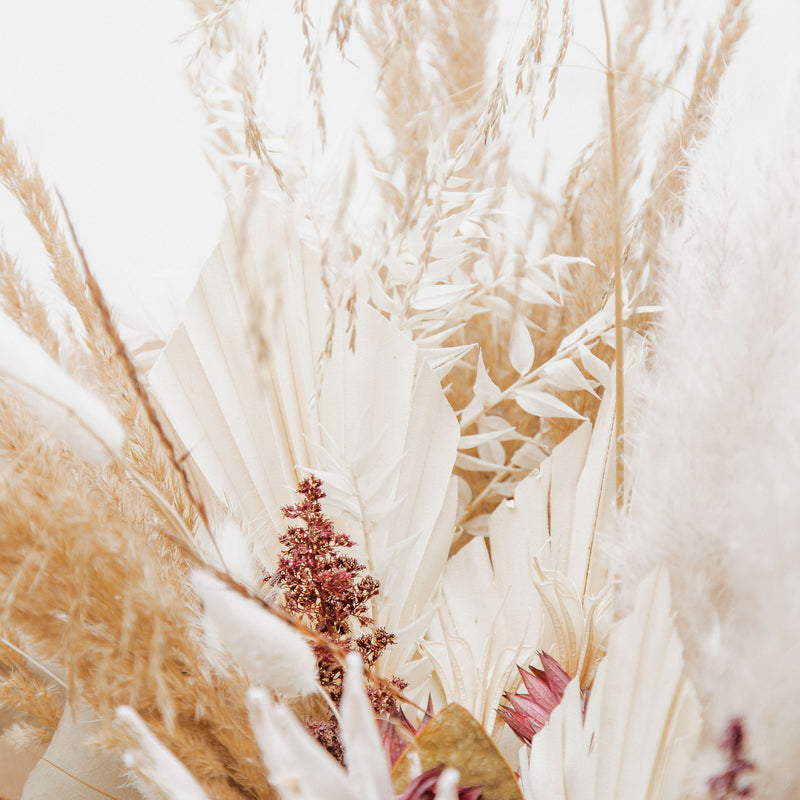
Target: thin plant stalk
[[617, 223]]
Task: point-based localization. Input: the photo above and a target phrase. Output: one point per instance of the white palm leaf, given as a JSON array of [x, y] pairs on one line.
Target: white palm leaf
[[374, 424], [493, 610], [246, 421], [580, 486], [642, 719], [390, 445], [73, 767], [474, 642]]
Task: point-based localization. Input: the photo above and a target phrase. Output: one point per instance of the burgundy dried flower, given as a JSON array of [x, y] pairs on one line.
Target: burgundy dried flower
[[725, 786], [528, 713], [423, 787], [326, 587], [393, 741], [326, 732], [330, 592]]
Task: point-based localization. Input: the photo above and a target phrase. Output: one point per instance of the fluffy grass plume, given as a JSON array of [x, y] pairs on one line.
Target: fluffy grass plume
[[715, 448]]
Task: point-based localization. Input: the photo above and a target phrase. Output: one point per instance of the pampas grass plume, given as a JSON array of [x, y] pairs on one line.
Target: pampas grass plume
[[717, 444], [71, 413]]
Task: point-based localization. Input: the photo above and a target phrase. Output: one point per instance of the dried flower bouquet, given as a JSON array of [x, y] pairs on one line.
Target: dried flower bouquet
[[446, 485]]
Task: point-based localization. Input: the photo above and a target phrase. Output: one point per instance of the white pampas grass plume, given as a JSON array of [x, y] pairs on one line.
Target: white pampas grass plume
[[74, 415], [151, 759], [717, 446], [268, 651]]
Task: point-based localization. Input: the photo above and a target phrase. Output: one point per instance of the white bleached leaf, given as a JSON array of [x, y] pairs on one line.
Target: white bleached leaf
[[521, 352], [543, 404], [592, 507], [486, 392], [552, 767], [489, 623], [595, 326], [155, 762], [530, 291], [393, 438], [268, 651], [73, 768], [247, 421], [642, 720], [564, 374], [482, 630], [71, 413], [478, 525], [643, 712], [475, 464], [363, 752], [298, 767], [649, 309], [528, 456], [492, 451], [595, 366], [558, 265], [440, 295], [497, 435], [555, 260], [443, 359]]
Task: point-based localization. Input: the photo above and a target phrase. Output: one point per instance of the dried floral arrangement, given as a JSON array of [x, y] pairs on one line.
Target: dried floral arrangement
[[445, 485]]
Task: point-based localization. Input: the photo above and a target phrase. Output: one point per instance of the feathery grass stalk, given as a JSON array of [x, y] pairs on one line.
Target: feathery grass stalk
[[617, 223], [11, 646], [130, 370]]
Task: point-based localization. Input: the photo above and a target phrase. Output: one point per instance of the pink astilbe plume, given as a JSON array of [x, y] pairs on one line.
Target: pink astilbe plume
[[326, 587], [528, 713], [725, 786]]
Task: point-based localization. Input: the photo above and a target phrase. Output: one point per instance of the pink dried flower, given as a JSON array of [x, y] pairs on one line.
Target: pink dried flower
[[424, 786], [394, 743], [330, 592], [725, 786], [528, 713], [327, 588]]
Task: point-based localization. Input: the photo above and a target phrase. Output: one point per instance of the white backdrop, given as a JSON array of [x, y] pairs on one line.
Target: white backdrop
[[94, 91]]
